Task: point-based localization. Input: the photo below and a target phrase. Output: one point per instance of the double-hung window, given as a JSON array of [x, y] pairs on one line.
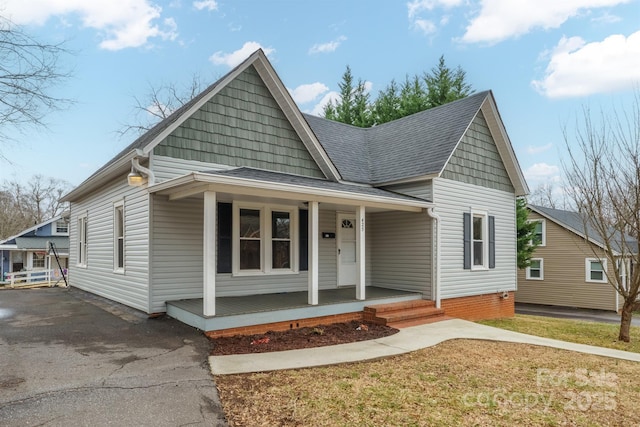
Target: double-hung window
[[596, 270], [535, 270], [479, 241], [61, 227], [264, 239], [539, 233], [82, 240], [37, 261], [118, 236]]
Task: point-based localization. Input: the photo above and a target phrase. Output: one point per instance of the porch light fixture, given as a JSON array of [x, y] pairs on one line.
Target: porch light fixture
[[139, 175], [134, 179]]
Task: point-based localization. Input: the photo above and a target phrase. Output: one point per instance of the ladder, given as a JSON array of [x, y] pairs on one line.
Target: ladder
[[52, 249]]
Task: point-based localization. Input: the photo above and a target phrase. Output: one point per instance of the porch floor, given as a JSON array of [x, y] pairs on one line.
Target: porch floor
[[265, 308]]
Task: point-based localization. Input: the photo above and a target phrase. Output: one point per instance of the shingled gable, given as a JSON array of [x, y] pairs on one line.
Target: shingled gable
[[150, 139], [413, 147]]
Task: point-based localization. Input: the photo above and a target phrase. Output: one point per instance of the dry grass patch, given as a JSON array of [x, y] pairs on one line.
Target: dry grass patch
[[582, 332], [461, 382]]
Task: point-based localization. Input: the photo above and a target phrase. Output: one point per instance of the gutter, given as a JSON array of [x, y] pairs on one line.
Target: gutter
[[435, 258]]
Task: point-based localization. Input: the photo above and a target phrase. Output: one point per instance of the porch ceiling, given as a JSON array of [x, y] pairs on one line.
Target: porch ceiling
[[245, 182]]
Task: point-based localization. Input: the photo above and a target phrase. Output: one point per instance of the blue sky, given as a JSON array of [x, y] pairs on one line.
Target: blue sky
[[544, 60]]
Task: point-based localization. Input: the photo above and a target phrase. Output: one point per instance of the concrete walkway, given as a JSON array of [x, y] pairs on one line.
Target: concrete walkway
[[407, 340]]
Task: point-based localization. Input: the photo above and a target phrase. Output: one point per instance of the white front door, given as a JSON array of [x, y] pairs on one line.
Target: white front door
[[346, 242]]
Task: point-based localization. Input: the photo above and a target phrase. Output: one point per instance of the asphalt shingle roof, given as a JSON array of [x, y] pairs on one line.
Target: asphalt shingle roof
[[416, 145], [283, 178]]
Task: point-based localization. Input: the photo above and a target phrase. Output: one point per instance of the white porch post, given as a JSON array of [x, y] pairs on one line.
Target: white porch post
[[314, 235], [360, 253], [209, 254]]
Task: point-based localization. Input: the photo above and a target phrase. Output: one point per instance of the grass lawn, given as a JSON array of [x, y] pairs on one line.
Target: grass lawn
[[460, 382], [592, 333]]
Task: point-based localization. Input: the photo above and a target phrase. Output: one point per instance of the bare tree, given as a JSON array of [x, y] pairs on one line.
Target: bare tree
[[159, 103], [546, 194], [29, 70], [24, 205], [603, 173]]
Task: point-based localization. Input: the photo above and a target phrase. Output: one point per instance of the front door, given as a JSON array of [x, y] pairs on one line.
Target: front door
[[346, 242]]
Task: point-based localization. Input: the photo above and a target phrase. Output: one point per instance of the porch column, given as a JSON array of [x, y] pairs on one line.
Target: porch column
[[314, 235], [360, 253], [209, 254]]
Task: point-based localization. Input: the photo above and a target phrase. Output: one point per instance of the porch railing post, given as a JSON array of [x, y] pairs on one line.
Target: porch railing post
[[360, 253], [209, 254], [314, 234]]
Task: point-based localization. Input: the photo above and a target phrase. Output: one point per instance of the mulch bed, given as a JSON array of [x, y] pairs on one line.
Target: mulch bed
[[318, 336]]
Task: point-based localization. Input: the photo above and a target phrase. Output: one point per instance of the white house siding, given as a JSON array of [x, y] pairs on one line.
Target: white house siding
[[401, 251], [131, 287], [452, 198]]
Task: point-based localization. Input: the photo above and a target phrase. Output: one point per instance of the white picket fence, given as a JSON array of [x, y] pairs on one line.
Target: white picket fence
[[34, 277]]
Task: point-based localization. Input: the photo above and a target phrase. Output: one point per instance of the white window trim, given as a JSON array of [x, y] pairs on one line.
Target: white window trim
[[116, 269], [528, 270], [543, 241], [265, 239], [485, 240], [587, 268], [83, 248], [54, 228]]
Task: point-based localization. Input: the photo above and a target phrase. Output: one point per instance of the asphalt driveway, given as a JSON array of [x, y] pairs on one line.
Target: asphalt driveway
[[70, 358]]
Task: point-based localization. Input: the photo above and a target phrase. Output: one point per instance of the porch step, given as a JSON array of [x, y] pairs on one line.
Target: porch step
[[403, 314]]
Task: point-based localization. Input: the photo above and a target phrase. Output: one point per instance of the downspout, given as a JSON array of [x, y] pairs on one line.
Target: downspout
[[435, 258], [135, 163]]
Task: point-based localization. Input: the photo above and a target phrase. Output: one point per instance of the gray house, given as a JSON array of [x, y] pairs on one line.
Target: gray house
[[240, 210]]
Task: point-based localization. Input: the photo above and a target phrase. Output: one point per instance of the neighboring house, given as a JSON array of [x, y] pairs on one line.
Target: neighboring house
[[29, 250], [251, 212], [568, 268]]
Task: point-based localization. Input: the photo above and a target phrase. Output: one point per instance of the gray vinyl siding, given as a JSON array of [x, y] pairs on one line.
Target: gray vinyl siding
[[477, 161], [420, 189], [166, 168], [131, 287], [242, 125], [177, 258], [564, 272], [452, 198], [401, 251]]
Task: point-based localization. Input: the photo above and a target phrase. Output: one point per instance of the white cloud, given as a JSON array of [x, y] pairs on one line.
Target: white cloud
[[606, 18], [327, 47], [307, 93], [319, 107], [577, 68], [539, 148], [499, 20], [425, 26], [206, 4], [415, 7], [122, 24], [541, 171], [234, 58]]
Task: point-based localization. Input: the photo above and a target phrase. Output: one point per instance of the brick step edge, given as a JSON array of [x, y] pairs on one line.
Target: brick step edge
[[395, 306], [416, 313], [417, 322]]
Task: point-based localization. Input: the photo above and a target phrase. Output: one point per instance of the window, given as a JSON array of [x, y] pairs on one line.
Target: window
[[264, 239], [38, 260], [539, 234], [479, 243], [82, 240], [535, 271], [61, 227], [596, 270], [118, 237]]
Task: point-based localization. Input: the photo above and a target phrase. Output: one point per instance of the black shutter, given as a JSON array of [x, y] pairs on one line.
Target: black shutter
[[225, 222], [492, 242], [303, 218], [466, 231]]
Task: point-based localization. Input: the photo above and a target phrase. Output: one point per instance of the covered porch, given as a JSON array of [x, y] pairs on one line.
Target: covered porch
[[275, 247], [234, 312]]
